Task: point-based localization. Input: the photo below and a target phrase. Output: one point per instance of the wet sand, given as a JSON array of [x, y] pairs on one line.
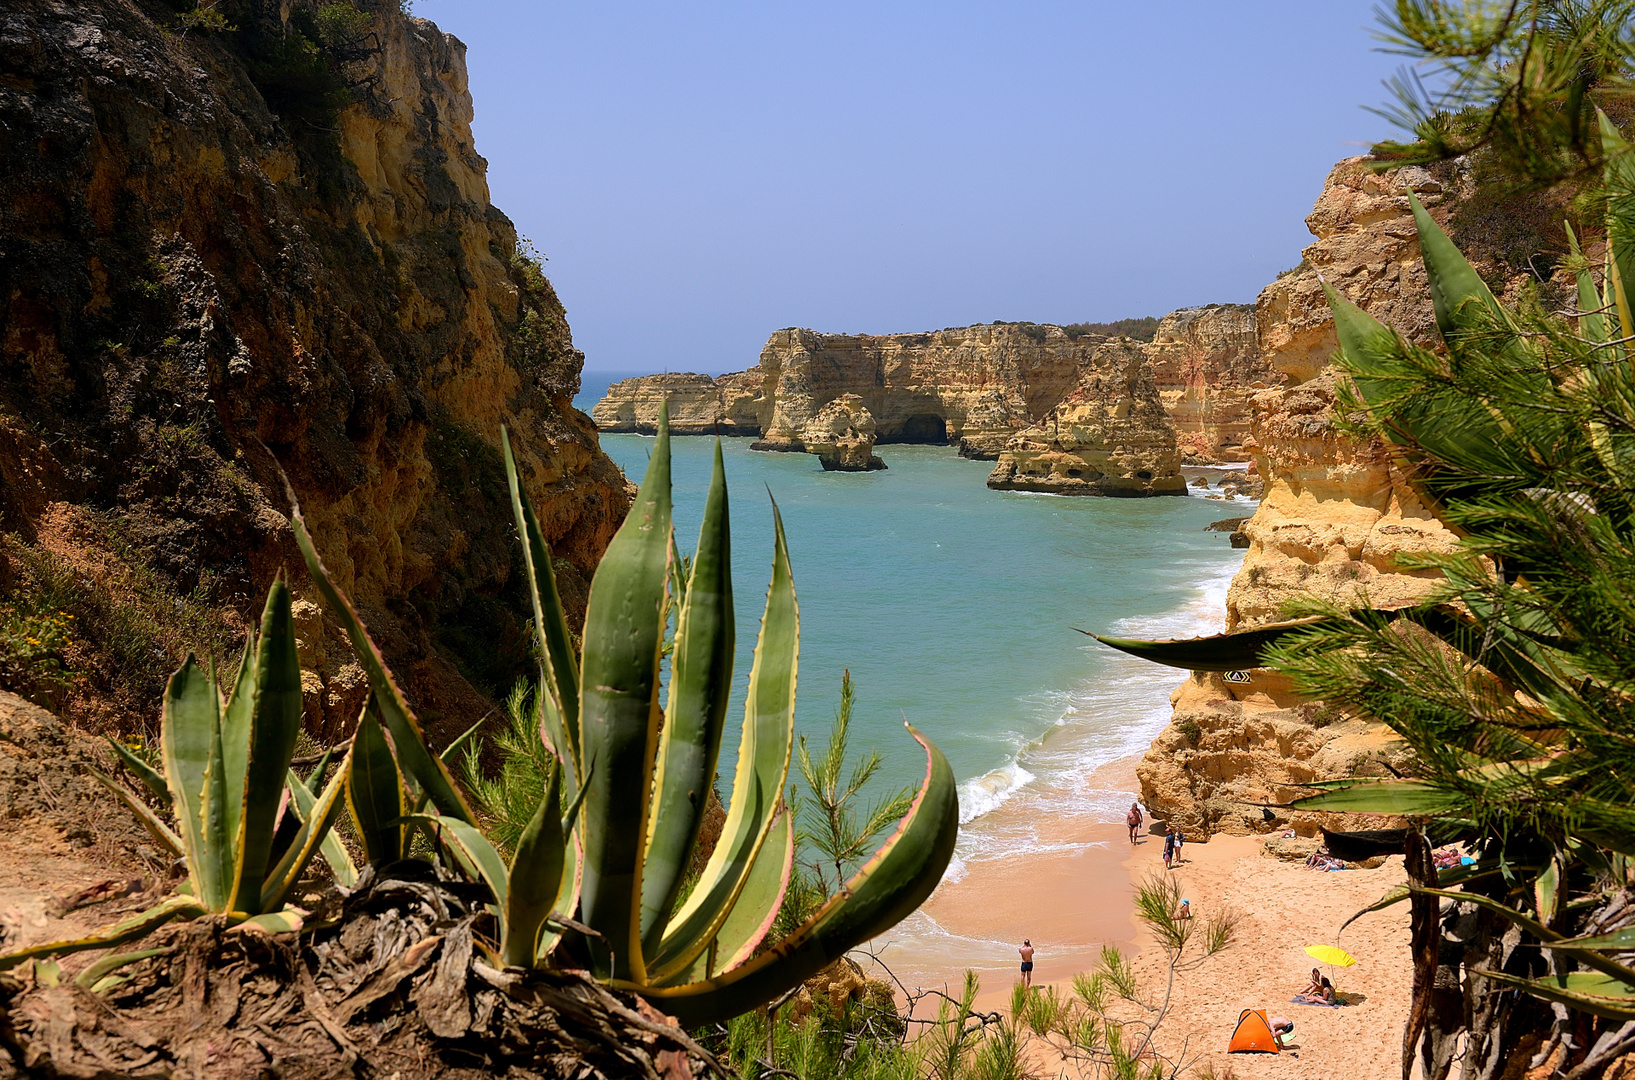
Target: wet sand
[[1073, 899]]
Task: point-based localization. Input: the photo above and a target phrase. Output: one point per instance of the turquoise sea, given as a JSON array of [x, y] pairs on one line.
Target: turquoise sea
[[954, 606]]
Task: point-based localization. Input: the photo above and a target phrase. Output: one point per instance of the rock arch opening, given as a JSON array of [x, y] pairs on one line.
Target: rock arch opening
[[924, 428]]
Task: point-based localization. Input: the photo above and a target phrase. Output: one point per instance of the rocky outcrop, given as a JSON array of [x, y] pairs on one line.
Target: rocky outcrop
[[974, 386], [1333, 522], [1208, 365], [214, 272], [699, 404], [1110, 436], [842, 436]]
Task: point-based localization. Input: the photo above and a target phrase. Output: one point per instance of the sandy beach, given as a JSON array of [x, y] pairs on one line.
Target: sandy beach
[[1077, 897]]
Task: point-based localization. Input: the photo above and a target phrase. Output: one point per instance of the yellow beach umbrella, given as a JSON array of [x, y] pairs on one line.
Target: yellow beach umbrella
[[1329, 954]]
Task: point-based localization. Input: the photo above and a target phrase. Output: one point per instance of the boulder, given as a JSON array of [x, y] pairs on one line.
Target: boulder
[[842, 436]]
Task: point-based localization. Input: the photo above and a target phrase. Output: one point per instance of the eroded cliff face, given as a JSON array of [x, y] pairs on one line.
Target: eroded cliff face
[[1333, 522], [202, 284], [1109, 436], [1208, 364], [976, 386]]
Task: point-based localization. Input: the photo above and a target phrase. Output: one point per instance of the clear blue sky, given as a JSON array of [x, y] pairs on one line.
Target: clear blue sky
[[700, 175]]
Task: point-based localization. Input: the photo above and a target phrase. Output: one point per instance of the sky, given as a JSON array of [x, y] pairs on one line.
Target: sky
[[700, 175]]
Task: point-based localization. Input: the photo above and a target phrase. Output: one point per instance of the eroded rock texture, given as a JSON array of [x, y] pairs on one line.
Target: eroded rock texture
[[842, 436], [1333, 522], [221, 255], [1208, 364], [1110, 436]]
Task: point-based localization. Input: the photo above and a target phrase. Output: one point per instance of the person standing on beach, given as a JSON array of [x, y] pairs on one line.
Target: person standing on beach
[[1133, 820], [1169, 847], [1027, 962], [1179, 840]]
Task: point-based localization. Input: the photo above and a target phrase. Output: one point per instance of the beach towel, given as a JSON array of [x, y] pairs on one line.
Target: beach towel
[[1300, 999]]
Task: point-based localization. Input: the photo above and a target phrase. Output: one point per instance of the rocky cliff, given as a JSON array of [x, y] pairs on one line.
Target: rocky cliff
[[975, 386], [1333, 522], [230, 251], [1110, 436], [1208, 364]]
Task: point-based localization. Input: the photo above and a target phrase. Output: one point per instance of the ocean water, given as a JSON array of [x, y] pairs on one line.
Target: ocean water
[[954, 607]]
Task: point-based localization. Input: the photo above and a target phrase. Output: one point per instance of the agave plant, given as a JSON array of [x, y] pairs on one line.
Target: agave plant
[[226, 763], [1512, 683], [600, 882]]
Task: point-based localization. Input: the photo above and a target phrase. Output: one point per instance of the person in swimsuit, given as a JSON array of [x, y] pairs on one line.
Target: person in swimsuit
[[1027, 962], [1280, 1027], [1169, 846], [1133, 820], [1186, 910]]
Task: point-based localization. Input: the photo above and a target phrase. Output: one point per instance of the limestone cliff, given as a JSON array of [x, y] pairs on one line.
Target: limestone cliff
[[226, 253], [1208, 364], [975, 386], [1333, 521], [1109, 436]]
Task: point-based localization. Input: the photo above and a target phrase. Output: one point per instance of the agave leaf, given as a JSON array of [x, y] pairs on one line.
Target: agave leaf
[[888, 888], [151, 821], [282, 878], [763, 764], [452, 750], [535, 878], [287, 921], [237, 721], [408, 744], [1596, 994], [757, 908], [1367, 343], [475, 854], [1220, 652], [1592, 323], [275, 726], [315, 779], [374, 794], [334, 852], [1455, 285], [1620, 186], [1546, 936], [186, 728], [619, 716], [700, 684], [1546, 892], [93, 976], [1617, 941], [136, 926], [218, 857], [1408, 797], [557, 655], [146, 774]]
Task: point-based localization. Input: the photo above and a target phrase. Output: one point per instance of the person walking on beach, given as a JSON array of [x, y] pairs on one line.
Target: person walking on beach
[[1179, 840], [1169, 847], [1133, 820], [1027, 962]]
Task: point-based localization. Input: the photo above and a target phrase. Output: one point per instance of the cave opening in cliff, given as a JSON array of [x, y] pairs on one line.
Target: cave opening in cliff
[[924, 428]]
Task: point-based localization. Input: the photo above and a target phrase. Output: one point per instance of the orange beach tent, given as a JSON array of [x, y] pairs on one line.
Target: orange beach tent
[[1253, 1035]]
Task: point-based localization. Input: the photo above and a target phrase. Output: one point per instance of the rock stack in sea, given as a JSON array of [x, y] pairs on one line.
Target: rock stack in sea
[[976, 387], [1109, 436], [842, 436]]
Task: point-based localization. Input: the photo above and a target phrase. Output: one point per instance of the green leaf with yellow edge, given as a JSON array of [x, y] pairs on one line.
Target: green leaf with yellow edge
[[374, 792], [535, 877], [764, 749], [275, 725], [1587, 991], [559, 659], [186, 725], [757, 907], [303, 801], [145, 774], [889, 887], [281, 880], [159, 830], [619, 716], [700, 685], [408, 743], [120, 933]]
